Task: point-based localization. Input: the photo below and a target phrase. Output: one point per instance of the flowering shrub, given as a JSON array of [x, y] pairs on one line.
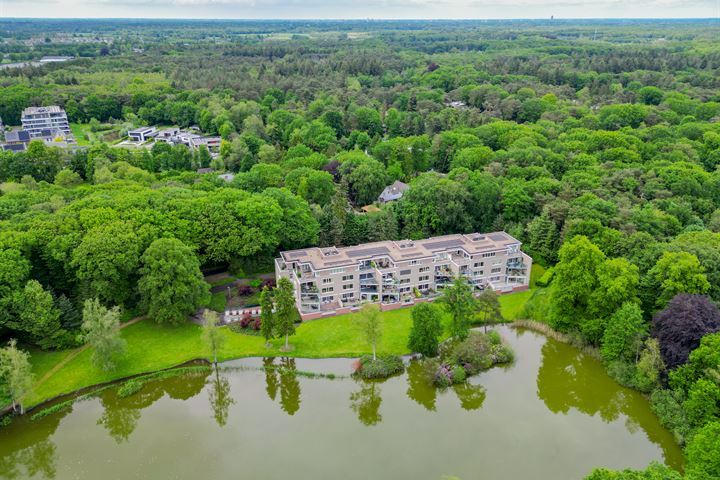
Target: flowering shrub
[[257, 323], [246, 320], [245, 290], [458, 359]]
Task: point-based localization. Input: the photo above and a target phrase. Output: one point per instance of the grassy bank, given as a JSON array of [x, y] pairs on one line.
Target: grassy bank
[[151, 347]]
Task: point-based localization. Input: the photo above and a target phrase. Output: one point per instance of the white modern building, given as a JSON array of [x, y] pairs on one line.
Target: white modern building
[[37, 121], [142, 134]]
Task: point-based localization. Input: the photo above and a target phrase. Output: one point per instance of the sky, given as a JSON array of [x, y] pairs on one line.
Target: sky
[[354, 9]]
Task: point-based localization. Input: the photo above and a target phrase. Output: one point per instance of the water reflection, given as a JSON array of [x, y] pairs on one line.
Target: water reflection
[[37, 459], [419, 389], [28, 452], [220, 398], [471, 396], [569, 379], [551, 388], [366, 403], [121, 415], [281, 374]]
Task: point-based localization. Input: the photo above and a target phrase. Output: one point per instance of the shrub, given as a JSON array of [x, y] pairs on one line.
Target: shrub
[[502, 353], [245, 290], [443, 376], [130, 387], [668, 407], [546, 278], [255, 283], [473, 354], [246, 320], [256, 324], [458, 374], [382, 367], [494, 337], [268, 282]]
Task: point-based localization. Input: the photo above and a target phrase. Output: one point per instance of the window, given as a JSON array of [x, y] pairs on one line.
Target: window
[[488, 255], [328, 299], [423, 287], [478, 264], [348, 286], [404, 281], [346, 296], [496, 270], [348, 277], [424, 269], [327, 289], [414, 262], [327, 280], [495, 279], [404, 272], [335, 271], [424, 278], [404, 289]]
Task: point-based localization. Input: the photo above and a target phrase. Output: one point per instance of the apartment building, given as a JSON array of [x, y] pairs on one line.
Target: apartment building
[[38, 120], [334, 280]]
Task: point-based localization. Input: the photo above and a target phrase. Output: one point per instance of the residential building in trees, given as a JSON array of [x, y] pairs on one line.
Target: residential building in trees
[[37, 121], [395, 273]]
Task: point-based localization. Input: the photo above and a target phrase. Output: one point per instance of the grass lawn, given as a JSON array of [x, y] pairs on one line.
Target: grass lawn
[[217, 302], [151, 347]]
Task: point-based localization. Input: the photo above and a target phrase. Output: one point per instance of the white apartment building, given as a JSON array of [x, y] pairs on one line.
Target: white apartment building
[[332, 280], [37, 121]]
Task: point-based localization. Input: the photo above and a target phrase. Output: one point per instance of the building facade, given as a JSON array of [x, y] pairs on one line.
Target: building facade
[[37, 120], [332, 280]]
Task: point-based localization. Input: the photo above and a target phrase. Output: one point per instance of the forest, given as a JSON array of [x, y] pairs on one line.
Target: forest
[[594, 143]]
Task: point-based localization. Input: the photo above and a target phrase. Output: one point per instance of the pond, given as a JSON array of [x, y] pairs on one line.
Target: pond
[[552, 414]]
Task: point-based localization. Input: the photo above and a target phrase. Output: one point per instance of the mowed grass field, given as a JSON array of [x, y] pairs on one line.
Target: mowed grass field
[[152, 347]]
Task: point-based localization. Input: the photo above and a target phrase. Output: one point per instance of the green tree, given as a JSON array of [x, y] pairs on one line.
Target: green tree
[[211, 332], [426, 329], [703, 454], [459, 301], [370, 324], [624, 334], [267, 316], [286, 313], [333, 218], [171, 285], [66, 178], [101, 330], [677, 272], [37, 317], [488, 308], [107, 260], [16, 374], [575, 280], [703, 402]]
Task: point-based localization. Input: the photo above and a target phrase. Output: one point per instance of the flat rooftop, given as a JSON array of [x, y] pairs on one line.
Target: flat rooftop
[[400, 250], [36, 110]]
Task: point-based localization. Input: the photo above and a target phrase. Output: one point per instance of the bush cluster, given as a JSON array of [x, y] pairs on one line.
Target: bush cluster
[[248, 325], [382, 367], [459, 359]]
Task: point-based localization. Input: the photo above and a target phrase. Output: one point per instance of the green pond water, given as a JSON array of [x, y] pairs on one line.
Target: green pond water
[[553, 414]]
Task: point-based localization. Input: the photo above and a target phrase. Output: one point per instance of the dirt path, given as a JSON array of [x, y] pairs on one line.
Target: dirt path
[[75, 353]]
